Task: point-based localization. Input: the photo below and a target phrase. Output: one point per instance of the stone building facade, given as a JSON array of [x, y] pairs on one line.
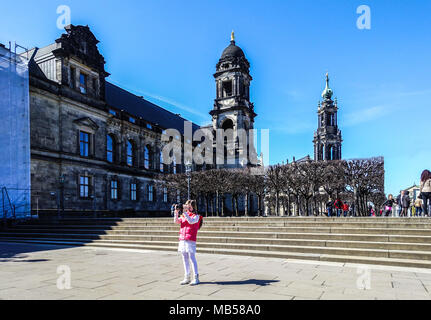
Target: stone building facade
[[94, 146], [233, 109]]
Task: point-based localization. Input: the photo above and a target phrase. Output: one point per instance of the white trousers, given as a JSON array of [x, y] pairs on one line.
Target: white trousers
[[187, 256]]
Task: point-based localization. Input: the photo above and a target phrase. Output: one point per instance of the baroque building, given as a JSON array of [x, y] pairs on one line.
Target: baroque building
[[94, 145], [327, 139], [233, 112]]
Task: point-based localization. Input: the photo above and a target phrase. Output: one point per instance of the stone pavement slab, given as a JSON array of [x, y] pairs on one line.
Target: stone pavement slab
[[40, 272]]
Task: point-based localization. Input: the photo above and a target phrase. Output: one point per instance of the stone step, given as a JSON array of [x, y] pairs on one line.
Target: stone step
[[371, 252], [388, 231], [269, 235], [386, 244], [242, 219], [391, 225], [273, 254]]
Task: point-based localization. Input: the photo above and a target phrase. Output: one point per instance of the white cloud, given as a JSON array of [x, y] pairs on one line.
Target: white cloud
[[363, 115]]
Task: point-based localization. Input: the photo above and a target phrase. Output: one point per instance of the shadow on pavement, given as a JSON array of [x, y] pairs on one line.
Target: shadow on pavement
[[257, 282], [16, 252]]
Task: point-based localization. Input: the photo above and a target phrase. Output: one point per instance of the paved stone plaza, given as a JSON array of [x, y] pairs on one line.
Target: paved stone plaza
[[29, 271]]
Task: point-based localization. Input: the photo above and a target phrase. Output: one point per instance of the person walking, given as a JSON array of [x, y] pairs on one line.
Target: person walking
[[388, 205], [190, 222], [425, 189], [338, 206], [371, 211], [345, 209], [403, 201], [329, 207], [418, 207]]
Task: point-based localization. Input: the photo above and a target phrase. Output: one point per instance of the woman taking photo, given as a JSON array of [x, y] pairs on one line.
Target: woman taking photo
[[190, 223], [425, 189]]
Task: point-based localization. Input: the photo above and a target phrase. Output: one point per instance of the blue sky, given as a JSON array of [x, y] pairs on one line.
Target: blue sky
[[167, 52]]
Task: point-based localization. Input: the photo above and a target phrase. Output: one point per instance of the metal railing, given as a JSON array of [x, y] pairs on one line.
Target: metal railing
[[8, 208]]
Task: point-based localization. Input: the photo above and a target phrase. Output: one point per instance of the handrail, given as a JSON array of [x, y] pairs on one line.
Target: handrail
[[11, 206]]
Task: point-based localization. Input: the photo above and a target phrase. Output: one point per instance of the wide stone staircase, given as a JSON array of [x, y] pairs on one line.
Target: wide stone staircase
[[382, 241]]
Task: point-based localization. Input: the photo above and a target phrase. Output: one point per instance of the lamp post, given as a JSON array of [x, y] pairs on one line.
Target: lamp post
[[188, 165]]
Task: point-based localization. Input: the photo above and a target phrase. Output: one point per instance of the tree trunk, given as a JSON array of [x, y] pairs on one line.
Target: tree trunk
[[236, 206], [277, 203], [246, 204], [216, 204], [232, 203], [258, 205]]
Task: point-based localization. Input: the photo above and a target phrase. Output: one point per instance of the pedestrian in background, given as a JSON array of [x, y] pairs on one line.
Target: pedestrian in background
[[345, 209], [388, 205], [329, 207], [338, 206], [403, 201], [418, 207], [425, 189]]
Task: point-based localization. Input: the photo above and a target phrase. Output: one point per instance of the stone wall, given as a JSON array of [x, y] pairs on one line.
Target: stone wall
[[55, 125]]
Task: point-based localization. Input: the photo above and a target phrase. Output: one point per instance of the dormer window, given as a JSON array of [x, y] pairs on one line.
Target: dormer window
[[83, 83], [83, 47], [113, 112], [149, 126], [132, 120]]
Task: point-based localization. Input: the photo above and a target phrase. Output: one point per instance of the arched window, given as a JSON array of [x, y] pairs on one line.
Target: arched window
[[130, 153], [110, 148], [147, 157], [227, 124]]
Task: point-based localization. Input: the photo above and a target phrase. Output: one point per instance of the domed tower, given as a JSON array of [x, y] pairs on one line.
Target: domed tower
[[232, 106], [327, 138]]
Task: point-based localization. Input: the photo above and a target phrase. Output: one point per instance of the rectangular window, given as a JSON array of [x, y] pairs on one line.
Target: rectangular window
[[178, 196], [83, 83], [150, 193], [132, 120], [114, 190], [149, 126], [113, 112], [72, 77], [84, 186], [133, 191], [227, 88], [165, 194], [84, 143]]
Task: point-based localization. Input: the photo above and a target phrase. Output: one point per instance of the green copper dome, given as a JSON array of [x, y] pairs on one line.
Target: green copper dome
[[327, 93]]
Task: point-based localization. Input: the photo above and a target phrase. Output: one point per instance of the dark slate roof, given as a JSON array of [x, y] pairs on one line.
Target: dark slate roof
[[232, 51], [124, 100]]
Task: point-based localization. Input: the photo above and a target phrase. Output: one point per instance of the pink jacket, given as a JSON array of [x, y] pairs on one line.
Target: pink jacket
[[189, 225]]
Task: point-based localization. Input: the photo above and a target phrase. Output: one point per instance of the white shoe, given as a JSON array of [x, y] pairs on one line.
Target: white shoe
[[185, 281], [195, 280]]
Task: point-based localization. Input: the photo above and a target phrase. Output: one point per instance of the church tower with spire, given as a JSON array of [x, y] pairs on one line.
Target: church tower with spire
[[327, 138], [232, 107]]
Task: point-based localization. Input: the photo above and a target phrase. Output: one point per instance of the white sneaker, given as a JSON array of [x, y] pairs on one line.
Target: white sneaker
[[185, 281], [195, 280]]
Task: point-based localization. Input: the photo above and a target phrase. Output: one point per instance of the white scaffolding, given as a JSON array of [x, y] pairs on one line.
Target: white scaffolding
[[14, 135]]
